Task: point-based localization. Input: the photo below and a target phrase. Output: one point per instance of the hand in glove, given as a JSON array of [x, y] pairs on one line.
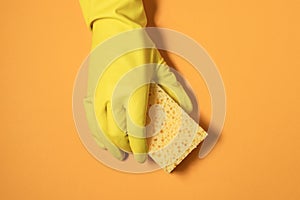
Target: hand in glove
[[107, 18]]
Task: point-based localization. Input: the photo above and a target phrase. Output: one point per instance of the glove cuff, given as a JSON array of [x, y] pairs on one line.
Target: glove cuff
[[127, 11]]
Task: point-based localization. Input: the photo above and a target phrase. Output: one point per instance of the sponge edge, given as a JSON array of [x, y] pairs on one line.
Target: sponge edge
[[173, 134]]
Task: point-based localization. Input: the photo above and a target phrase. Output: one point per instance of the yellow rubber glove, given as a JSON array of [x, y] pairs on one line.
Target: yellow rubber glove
[[107, 18]]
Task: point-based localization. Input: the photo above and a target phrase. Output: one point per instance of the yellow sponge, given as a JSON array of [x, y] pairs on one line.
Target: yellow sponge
[[173, 133]]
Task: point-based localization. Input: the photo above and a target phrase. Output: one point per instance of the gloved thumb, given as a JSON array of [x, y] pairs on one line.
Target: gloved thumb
[[168, 81]]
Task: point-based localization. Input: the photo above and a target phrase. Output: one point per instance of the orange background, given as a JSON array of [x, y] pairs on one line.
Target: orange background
[[256, 46]]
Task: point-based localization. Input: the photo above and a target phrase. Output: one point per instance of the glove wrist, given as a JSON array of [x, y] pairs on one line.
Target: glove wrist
[[124, 11]]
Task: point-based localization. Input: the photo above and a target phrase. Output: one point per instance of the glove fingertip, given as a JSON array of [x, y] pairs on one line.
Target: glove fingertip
[[121, 156], [100, 144], [141, 157], [188, 106], [117, 153]]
